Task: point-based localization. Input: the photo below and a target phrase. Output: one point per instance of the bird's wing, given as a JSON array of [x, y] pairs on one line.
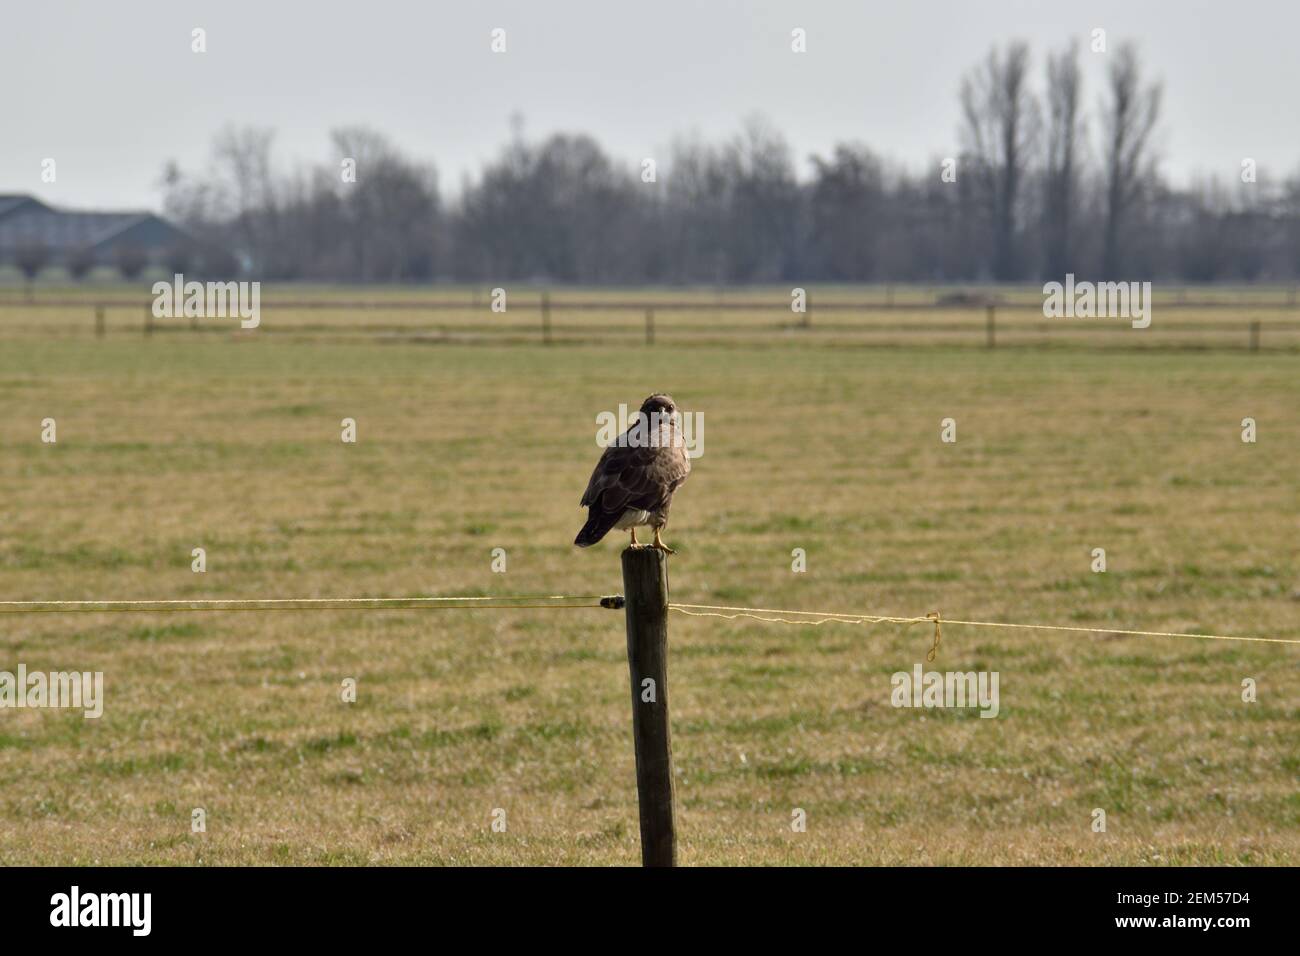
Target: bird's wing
[[635, 477]]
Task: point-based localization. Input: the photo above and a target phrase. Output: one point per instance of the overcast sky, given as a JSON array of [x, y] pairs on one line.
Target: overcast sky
[[111, 90]]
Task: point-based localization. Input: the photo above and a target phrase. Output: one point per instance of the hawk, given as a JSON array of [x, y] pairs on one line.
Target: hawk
[[634, 480]]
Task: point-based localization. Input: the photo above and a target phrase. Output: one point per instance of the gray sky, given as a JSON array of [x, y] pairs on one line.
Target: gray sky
[[112, 90]]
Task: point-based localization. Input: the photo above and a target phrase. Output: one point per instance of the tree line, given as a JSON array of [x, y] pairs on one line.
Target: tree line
[[1042, 185]]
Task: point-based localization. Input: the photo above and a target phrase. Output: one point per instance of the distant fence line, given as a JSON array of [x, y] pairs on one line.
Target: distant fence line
[[1290, 303], [982, 329]]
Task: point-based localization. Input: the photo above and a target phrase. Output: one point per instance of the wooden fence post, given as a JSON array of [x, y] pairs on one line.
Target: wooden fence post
[[990, 337], [645, 590], [546, 318], [649, 326], [1254, 335], [99, 321]]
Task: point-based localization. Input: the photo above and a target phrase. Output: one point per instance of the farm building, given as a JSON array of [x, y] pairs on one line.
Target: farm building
[[41, 235]]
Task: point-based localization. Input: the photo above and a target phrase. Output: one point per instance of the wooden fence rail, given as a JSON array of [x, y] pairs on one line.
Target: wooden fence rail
[[701, 304], [522, 323]]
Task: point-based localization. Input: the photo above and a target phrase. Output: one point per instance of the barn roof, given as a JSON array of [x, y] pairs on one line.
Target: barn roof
[[24, 221], [12, 202]]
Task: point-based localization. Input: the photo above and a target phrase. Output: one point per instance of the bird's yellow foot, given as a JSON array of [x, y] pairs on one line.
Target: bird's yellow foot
[[659, 545], [635, 543]]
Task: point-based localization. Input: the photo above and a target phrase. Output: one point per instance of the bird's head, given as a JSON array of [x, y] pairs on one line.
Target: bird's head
[[662, 406]]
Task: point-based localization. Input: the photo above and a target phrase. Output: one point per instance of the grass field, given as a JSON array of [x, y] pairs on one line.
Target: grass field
[[233, 444]]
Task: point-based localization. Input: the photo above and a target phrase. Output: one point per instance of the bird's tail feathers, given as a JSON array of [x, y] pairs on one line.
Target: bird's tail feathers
[[597, 526]]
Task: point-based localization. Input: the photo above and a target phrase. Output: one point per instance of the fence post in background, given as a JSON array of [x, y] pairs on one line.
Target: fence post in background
[[990, 335], [645, 590], [1254, 335], [546, 318], [649, 326], [99, 321], [148, 321]]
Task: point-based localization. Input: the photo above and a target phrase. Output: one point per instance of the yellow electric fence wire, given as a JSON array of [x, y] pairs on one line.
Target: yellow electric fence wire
[[815, 618], [570, 602], [466, 602], [774, 616], [1116, 630]]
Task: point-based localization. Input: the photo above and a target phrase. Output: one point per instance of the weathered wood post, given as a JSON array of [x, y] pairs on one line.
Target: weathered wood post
[[546, 318], [645, 590], [99, 321], [990, 337], [1254, 335]]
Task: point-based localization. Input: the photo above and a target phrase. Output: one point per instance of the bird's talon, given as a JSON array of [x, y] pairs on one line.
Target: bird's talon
[[659, 545]]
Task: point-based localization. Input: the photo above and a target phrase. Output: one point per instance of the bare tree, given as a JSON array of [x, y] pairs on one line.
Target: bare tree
[[561, 208], [245, 186], [1065, 130], [31, 258], [360, 198], [131, 261], [80, 261], [1000, 125], [763, 217], [846, 207], [1128, 116], [1291, 214], [697, 194]]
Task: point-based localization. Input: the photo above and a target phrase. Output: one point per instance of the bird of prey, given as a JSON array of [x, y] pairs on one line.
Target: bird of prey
[[634, 480]]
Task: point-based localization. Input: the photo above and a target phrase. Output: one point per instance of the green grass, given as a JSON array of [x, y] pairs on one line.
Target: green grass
[[184, 442]]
